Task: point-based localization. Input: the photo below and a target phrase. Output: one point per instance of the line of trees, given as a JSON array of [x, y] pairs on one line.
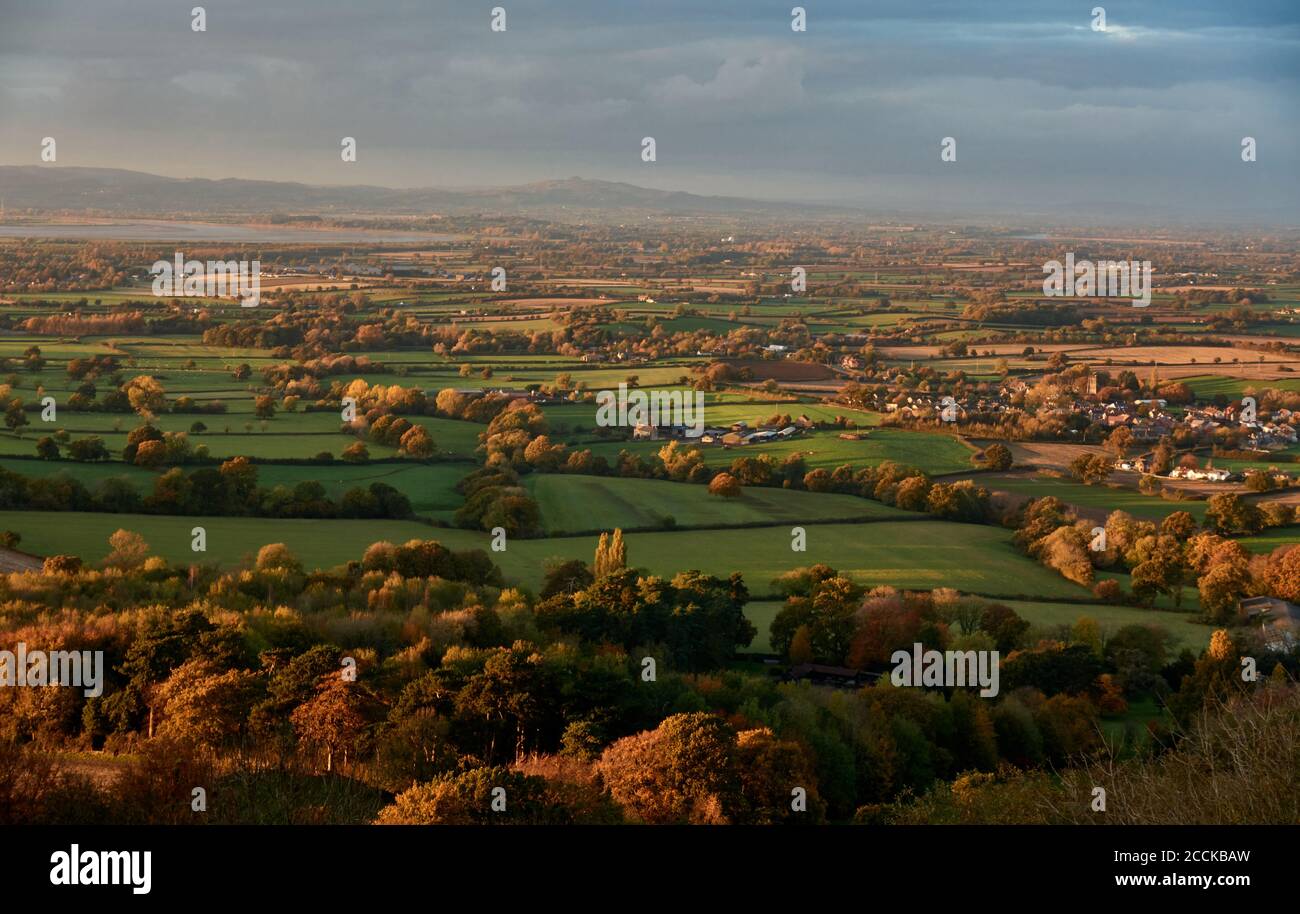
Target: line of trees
[[228, 490], [1162, 559]]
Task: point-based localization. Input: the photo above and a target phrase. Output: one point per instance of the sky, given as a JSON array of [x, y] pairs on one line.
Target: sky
[[1049, 116]]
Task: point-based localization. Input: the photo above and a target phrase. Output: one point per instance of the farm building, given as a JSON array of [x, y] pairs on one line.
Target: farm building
[[834, 676]]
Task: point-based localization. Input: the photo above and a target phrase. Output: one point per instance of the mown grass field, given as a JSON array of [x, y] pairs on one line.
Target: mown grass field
[[920, 554], [236, 433], [575, 503], [761, 613], [1207, 386], [932, 453], [719, 409], [1104, 498], [1182, 627], [88, 474], [1270, 462], [1183, 631], [1271, 539], [431, 488], [231, 540]]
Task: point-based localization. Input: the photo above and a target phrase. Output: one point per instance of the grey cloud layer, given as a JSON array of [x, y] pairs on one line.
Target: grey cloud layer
[[1042, 107]]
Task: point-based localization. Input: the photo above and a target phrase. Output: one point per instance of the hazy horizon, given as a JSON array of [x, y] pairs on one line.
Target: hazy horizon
[[1145, 119]]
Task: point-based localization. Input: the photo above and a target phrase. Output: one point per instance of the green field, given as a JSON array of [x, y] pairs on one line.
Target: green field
[[231, 540], [576, 503], [1182, 628], [721, 409], [920, 554], [239, 434], [1183, 631], [1271, 462], [431, 488], [1105, 498], [1207, 386], [761, 613], [932, 453], [1271, 539], [88, 474]]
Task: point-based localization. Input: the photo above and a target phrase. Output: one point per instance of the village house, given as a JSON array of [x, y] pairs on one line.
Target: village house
[[1270, 437], [1153, 429], [833, 676], [1192, 474], [1279, 621]]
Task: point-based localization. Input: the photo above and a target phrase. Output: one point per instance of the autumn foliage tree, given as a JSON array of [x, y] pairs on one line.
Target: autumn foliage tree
[[128, 549], [724, 485], [504, 796], [336, 720], [205, 705], [611, 554], [685, 771]]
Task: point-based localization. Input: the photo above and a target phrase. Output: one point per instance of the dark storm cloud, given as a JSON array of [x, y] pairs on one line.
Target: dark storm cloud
[[1047, 113]]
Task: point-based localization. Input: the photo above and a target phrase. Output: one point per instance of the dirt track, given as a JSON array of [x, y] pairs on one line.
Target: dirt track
[[12, 560]]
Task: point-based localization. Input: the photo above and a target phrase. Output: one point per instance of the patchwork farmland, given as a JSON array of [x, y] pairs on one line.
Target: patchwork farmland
[[395, 464]]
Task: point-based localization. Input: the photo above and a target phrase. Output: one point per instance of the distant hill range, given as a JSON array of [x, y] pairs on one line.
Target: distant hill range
[[114, 191]]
